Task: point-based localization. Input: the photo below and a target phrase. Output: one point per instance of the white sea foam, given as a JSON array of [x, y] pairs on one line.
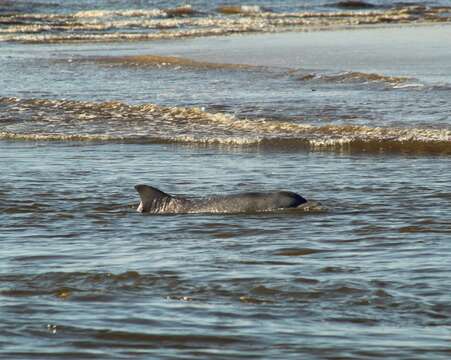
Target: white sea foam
[[40, 119], [123, 13], [152, 24]]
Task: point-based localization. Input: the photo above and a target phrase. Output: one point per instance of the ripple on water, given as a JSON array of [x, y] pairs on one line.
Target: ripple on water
[[297, 251]]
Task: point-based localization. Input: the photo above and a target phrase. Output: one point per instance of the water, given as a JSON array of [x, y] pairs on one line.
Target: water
[[353, 122], [302, 98], [98, 21], [83, 275]]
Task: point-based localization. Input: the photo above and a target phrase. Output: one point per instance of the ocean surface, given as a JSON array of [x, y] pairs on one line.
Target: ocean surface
[[346, 103]]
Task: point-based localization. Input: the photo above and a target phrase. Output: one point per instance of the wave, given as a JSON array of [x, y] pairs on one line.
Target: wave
[[180, 62], [356, 77], [353, 4], [153, 24], [398, 82], [104, 286], [83, 284], [241, 9], [165, 61], [63, 120], [185, 10]]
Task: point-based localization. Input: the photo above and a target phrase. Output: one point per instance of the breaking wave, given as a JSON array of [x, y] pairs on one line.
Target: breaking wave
[[356, 77], [63, 120], [165, 61], [151, 24], [344, 77]]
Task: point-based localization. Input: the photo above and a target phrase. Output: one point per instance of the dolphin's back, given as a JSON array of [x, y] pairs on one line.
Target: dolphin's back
[[287, 199], [156, 201], [251, 202]]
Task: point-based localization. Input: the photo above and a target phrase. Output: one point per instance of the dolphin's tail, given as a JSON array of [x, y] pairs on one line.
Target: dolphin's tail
[[152, 199]]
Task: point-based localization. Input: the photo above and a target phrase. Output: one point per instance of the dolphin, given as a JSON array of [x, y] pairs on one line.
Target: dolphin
[[157, 202]]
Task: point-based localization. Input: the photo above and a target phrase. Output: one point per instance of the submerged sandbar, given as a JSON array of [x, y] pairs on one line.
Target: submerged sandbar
[[389, 51]]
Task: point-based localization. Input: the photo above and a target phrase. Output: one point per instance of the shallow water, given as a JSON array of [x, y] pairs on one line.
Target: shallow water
[[99, 21], [353, 122], [387, 101], [84, 275]]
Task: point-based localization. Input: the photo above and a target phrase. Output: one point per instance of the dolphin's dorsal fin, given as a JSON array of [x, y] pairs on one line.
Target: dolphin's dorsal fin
[[152, 199]]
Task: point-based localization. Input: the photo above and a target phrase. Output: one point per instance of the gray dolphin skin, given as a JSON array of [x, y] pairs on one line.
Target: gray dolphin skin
[[158, 202]]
